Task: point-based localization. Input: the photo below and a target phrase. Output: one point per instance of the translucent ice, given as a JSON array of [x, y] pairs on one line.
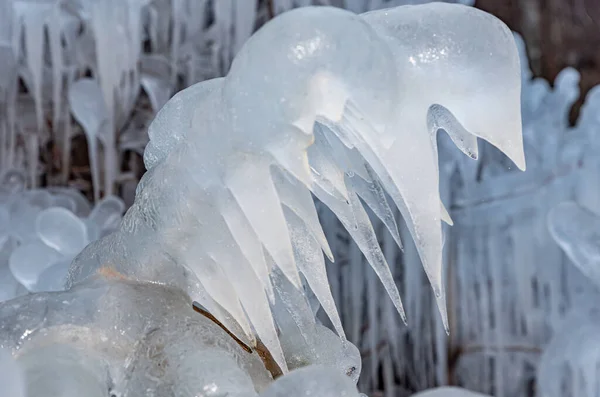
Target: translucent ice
[[312, 381], [225, 155], [11, 376], [132, 338], [448, 392], [61, 230], [61, 370], [89, 109], [29, 260], [577, 232]]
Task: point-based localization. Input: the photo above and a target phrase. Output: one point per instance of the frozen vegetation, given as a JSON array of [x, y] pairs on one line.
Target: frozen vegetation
[[346, 109]]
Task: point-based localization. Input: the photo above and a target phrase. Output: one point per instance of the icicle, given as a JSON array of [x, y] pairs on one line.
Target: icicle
[[88, 107], [248, 242], [312, 265], [219, 288], [256, 195], [224, 20], [373, 318], [178, 17], [247, 285], [56, 54], [245, 17], [33, 26], [296, 306], [363, 234], [374, 196], [357, 275]]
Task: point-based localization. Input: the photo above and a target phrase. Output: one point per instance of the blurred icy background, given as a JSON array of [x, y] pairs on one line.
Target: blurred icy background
[[70, 159]]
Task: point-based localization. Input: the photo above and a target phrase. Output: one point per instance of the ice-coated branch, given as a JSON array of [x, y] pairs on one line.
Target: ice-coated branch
[[320, 101]]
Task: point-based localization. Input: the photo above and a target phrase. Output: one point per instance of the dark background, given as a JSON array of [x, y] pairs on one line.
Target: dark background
[[558, 33]]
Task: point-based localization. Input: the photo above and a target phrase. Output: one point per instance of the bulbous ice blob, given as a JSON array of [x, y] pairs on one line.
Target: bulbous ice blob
[[107, 213], [64, 202], [53, 278], [60, 370], [577, 232], [211, 373], [23, 217], [82, 205], [62, 230], [334, 57], [174, 121], [9, 285], [322, 347], [13, 181], [29, 260]]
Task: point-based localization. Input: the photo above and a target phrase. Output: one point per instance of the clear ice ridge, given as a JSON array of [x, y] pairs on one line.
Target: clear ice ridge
[[323, 101]]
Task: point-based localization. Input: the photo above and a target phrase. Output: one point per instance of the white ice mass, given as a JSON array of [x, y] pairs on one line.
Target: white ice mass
[[245, 152], [319, 103]]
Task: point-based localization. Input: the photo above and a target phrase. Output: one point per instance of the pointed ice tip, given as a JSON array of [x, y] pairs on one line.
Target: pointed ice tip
[[445, 215], [329, 255], [517, 156], [403, 317], [519, 160], [440, 298]]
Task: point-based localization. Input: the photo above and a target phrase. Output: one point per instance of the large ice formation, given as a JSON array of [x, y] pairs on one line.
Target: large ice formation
[[321, 101], [577, 231]]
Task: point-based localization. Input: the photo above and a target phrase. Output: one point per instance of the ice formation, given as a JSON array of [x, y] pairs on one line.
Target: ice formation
[[577, 232], [571, 361], [158, 47], [225, 211], [248, 149], [41, 231], [509, 285], [448, 392]]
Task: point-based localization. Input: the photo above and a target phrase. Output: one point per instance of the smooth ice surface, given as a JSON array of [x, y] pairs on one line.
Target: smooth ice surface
[[11, 376], [61, 370], [128, 338], [29, 260], [448, 392], [60, 229], [312, 381], [226, 154]]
